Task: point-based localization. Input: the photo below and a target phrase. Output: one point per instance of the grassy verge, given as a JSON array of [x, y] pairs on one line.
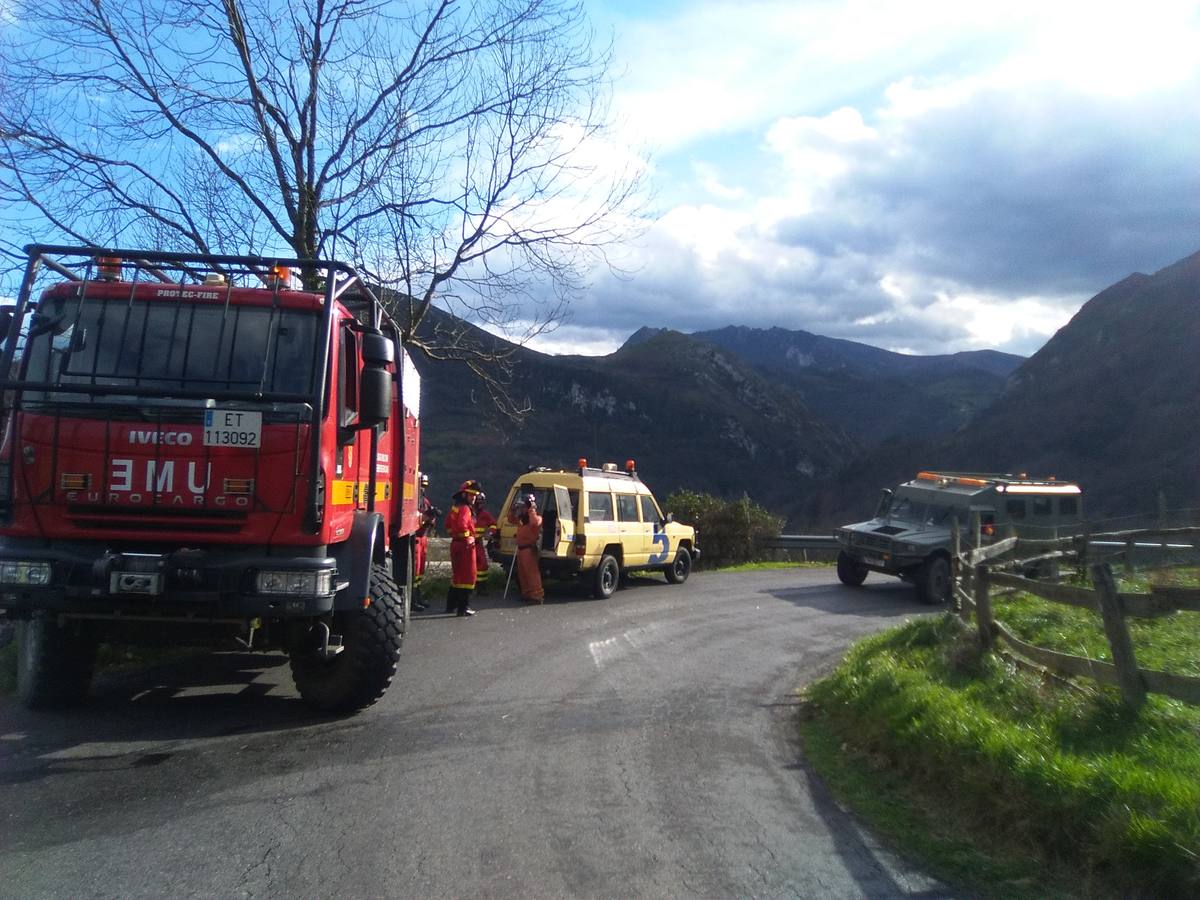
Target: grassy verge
[[1017, 786]]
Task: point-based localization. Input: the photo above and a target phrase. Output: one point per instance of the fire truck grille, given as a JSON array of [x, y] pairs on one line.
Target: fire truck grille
[[215, 521]]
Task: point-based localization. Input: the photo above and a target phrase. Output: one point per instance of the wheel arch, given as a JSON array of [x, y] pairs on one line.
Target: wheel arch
[[366, 546]]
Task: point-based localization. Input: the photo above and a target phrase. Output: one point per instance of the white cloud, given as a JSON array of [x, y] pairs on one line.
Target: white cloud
[[710, 181], [928, 176]]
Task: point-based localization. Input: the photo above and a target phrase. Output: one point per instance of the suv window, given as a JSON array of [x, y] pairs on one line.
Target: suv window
[[600, 507], [1015, 509], [1068, 506], [649, 510], [1041, 506], [627, 508]]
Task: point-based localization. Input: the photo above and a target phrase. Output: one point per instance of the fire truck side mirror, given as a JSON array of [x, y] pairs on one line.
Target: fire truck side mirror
[[375, 397], [377, 350]]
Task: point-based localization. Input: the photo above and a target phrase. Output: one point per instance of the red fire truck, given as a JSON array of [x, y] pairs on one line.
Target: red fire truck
[[199, 448]]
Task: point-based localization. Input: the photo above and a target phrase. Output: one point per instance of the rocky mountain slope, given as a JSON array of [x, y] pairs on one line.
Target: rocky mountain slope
[[1112, 401], [871, 393], [690, 414], [812, 428]]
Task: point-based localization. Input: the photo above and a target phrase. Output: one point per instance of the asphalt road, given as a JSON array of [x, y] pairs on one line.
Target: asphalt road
[[637, 747]]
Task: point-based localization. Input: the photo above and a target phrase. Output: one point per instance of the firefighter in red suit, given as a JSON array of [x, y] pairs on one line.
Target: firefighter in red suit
[[486, 528], [460, 526], [529, 528]]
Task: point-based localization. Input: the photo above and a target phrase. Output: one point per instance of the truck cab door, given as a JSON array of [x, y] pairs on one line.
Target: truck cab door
[[558, 536]]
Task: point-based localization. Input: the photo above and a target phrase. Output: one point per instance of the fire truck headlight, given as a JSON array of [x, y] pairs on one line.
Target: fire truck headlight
[[286, 581], [34, 574]]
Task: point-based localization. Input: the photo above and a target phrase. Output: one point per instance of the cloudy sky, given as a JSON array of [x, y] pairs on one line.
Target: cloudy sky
[[925, 176]]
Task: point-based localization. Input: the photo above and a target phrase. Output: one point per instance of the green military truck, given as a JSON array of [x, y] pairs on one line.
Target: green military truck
[[911, 533]]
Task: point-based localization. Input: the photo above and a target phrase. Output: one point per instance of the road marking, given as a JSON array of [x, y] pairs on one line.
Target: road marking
[[602, 651], [613, 648]]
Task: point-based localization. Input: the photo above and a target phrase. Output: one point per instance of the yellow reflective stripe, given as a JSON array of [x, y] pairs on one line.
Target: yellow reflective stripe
[[345, 493], [456, 585]]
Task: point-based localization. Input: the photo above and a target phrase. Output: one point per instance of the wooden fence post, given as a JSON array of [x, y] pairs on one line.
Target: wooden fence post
[[983, 607], [1083, 559], [1129, 557], [1162, 523], [1133, 689], [955, 565]]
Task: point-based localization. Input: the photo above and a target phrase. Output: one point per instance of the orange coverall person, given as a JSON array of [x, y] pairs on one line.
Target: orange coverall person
[[460, 526], [485, 529], [421, 552], [529, 528]]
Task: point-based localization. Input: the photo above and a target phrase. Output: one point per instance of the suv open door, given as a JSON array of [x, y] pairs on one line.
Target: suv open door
[[558, 525]]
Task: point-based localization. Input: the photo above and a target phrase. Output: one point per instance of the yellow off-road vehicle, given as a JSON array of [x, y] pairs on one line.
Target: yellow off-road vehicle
[[598, 523]]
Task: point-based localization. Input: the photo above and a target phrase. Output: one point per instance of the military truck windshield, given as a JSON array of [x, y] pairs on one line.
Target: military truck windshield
[[198, 347], [908, 509]]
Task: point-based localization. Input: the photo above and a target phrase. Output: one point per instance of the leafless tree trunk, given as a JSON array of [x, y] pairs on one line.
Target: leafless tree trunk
[[451, 150]]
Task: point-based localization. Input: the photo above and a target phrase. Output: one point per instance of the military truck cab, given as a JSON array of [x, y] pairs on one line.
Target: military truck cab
[[911, 534]]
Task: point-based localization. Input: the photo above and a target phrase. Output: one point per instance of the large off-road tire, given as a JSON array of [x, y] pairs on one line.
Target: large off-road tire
[[933, 581], [371, 638], [849, 570], [606, 577], [54, 665], [678, 571]]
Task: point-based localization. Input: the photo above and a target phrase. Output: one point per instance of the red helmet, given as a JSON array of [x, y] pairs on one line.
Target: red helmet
[[470, 487]]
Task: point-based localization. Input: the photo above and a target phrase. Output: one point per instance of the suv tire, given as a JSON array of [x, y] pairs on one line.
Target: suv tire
[[372, 637], [678, 571], [606, 577], [933, 581], [54, 665], [850, 571]]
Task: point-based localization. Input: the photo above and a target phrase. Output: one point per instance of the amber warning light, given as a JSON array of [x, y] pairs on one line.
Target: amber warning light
[[109, 267]]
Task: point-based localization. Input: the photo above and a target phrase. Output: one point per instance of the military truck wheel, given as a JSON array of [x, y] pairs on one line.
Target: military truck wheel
[[607, 577], [849, 570], [54, 664], [933, 581], [678, 571], [371, 641]]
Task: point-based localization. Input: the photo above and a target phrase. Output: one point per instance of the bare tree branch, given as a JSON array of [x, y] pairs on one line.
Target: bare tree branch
[[457, 152]]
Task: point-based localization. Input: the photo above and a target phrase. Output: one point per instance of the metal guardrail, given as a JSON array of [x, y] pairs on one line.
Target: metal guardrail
[[801, 542]]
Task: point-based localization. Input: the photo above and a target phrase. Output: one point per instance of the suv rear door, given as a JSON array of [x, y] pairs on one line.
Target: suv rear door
[[558, 523]]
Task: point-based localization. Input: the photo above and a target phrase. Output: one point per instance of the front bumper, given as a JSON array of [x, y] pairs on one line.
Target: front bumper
[[95, 581]]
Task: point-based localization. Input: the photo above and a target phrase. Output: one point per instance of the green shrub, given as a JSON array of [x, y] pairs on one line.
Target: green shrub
[[730, 531]]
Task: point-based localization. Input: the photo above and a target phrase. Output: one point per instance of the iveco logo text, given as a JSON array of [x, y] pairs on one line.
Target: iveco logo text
[[170, 438]]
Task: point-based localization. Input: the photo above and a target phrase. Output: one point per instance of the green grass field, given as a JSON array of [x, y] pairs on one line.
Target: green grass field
[[1012, 784]]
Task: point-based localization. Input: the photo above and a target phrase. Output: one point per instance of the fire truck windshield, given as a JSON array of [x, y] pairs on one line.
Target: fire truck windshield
[[166, 345]]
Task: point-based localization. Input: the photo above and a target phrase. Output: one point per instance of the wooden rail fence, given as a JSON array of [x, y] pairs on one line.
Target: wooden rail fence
[[981, 570]]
